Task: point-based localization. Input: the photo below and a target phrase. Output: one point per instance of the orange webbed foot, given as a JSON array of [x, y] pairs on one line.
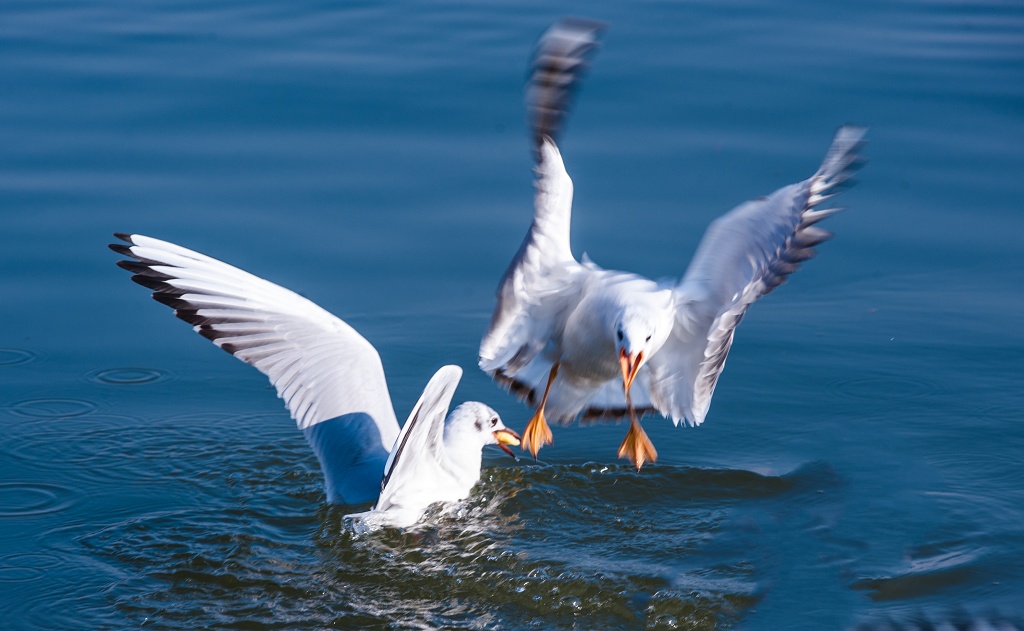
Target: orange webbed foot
[[537, 433], [637, 447]]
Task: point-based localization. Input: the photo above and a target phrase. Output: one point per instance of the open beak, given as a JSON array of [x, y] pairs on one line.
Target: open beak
[[506, 437], [630, 366]]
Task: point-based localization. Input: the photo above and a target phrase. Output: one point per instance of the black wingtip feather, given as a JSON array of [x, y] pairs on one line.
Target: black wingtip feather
[[149, 282], [192, 317], [172, 301], [121, 249], [141, 280], [142, 269], [557, 66], [158, 285], [124, 250], [229, 347], [207, 332], [127, 265], [522, 391]]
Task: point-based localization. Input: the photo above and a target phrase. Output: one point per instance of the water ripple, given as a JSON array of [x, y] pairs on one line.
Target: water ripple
[[506, 555], [127, 376], [59, 601], [888, 388], [665, 549], [28, 499], [18, 573], [227, 453], [15, 356], [931, 569], [496, 552], [1005, 412], [26, 566], [53, 408]]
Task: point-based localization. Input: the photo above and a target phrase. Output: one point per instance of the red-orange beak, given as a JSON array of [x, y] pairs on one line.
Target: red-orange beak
[[630, 366]]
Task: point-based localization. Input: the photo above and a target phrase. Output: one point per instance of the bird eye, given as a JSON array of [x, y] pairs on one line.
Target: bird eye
[[494, 421], [648, 338], [619, 334]]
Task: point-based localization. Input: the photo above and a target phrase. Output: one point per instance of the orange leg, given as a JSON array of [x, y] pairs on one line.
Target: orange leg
[[637, 447], [537, 433]]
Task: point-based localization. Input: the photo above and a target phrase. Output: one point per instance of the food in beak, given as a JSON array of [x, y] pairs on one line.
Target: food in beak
[[506, 437], [630, 366]]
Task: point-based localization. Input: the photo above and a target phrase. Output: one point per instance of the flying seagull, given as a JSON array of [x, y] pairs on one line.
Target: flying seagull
[[573, 339], [332, 381]]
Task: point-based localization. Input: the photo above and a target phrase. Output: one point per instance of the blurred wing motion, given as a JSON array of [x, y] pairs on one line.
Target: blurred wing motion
[[557, 67], [744, 255], [542, 284], [329, 376], [419, 451]]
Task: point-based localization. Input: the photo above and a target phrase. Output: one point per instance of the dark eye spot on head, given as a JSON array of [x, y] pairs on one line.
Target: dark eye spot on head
[[479, 426], [619, 334], [648, 338], [494, 421]]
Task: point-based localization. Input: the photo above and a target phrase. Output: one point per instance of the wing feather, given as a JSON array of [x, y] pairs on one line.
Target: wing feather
[[542, 282], [420, 445], [744, 255], [319, 365], [556, 70]]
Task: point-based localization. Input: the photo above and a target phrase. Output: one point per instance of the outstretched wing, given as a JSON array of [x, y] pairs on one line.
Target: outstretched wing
[[320, 366], [556, 69], [541, 284], [744, 255], [419, 451]]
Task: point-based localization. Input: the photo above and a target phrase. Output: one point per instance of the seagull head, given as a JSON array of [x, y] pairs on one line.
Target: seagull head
[[637, 336], [476, 423]]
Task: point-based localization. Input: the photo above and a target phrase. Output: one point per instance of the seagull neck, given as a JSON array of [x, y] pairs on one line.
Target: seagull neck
[[462, 453]]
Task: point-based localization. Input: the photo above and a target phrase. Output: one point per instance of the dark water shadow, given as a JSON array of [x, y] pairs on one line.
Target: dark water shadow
[[946, 567]]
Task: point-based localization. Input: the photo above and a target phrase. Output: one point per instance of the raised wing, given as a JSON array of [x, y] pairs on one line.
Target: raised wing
[[419, 450], [556, 69], [542, 282], [744, 255], [320, 366]]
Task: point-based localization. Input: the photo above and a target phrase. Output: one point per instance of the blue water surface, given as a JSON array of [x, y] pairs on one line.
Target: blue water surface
[[861, 459]]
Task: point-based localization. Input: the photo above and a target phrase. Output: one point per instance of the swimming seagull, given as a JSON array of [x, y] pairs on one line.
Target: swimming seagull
[[575, 339], [333, 383]]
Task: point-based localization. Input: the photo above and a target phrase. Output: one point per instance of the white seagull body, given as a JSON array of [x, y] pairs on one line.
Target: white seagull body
[[332, 382], [575, 339]]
